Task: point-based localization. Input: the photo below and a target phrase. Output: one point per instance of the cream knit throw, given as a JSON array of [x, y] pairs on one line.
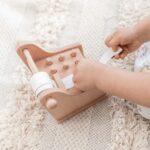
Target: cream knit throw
[[24, 124], [22, 118]]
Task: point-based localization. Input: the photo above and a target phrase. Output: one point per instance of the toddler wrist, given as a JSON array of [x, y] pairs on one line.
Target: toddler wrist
[[98, 74], [139, 34]]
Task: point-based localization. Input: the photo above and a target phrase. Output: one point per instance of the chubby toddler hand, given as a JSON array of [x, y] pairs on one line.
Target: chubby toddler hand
[[126, 38], [85, 74]]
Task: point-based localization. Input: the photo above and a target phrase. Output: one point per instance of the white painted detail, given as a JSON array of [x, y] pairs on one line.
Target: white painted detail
[[41, 81], [144, 111], [68, 81], [108, 55]]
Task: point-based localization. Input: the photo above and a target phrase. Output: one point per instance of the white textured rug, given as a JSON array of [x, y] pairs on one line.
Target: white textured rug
[[24, 124]]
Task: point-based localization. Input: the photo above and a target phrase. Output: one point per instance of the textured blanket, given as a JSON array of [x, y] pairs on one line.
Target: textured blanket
[[24, 123]]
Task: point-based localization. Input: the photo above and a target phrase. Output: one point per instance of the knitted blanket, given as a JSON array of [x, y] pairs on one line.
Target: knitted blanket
[[24, 123]]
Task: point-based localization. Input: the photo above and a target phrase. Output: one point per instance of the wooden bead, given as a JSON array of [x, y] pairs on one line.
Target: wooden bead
[[48, 61], [53, 71], [51, 103], [61, 58], [65, 67], [73, 54]]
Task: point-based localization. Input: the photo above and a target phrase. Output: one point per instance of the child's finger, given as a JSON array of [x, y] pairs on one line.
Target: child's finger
[[117, 56], [125, 48], [122, 56], [125, 53], [108, 39], [114, 43]]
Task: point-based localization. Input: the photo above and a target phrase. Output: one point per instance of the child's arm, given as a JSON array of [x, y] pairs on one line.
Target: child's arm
[[128, 85]]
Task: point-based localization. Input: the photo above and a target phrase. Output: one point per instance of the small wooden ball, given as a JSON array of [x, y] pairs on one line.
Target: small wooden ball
[[48, 61], [51, 103], [61, 58], [73, 54], [53, 71], [65, 67]]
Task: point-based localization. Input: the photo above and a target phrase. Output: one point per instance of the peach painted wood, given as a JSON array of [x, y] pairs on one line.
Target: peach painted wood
[[61, 103]]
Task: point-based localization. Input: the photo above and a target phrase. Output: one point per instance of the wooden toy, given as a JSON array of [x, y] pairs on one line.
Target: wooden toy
[[52, 79]]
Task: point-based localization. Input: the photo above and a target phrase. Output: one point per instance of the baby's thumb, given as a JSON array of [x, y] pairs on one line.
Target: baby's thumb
[[108, 39], [114, 44]]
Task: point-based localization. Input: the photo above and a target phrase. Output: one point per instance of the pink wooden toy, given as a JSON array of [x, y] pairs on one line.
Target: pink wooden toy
[[52, 80]]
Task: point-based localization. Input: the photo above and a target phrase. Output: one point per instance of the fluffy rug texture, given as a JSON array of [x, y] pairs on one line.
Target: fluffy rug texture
[[24, 123]]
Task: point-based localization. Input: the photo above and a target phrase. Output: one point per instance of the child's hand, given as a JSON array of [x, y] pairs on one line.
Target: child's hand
[[85, 75], [126, 38]]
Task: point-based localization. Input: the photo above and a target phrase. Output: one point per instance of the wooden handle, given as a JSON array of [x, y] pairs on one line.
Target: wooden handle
[[51, 103], [30, 61]]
